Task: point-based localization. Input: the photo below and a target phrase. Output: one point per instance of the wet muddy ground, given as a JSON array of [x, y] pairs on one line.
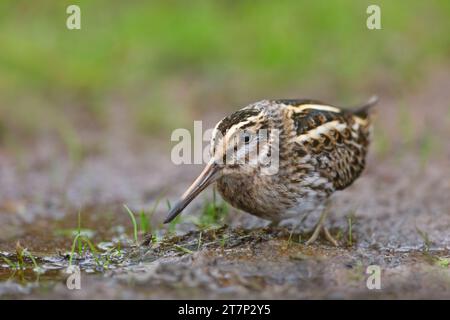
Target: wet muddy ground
[[396, 216]]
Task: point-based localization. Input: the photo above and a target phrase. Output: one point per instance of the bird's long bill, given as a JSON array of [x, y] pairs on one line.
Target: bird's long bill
[[208, 176]]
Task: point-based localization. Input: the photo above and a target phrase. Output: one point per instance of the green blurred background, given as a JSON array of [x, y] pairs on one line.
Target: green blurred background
[[165, 63]]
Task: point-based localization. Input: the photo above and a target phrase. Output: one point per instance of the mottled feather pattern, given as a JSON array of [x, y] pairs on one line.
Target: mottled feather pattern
[[322, 149], [335, 141]]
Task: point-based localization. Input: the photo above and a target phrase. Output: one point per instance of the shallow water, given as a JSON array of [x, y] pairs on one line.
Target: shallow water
[[231, 263]]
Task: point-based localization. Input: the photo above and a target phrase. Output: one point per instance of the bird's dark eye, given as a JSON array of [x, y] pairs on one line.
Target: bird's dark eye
[[247, 138]]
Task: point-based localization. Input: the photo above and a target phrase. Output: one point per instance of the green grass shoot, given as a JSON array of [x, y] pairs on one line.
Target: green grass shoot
[[350, 230], [72, 251], [199, 242], [133, 220], [144, 222], [36, 268], [11, 264], [426, 239]]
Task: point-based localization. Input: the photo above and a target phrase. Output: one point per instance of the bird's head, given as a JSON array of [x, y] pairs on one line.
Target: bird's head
[[241, 144]]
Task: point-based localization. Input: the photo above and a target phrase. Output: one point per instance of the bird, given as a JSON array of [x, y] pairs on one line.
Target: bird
[[317, 149]]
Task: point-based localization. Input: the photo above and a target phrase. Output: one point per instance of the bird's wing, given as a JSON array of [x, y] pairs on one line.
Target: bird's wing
[[335, 139]]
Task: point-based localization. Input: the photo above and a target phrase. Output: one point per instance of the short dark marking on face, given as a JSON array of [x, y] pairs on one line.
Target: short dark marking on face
[[249, 124], [264, 125], [235, 118]]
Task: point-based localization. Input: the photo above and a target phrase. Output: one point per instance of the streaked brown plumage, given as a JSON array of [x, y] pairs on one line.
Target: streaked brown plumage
[[321, 149]]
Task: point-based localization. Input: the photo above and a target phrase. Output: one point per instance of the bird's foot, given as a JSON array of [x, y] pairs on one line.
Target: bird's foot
[[315, 235], [329, 237]]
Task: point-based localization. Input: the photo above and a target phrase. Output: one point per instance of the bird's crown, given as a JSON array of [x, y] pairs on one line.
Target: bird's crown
[[240, 138]]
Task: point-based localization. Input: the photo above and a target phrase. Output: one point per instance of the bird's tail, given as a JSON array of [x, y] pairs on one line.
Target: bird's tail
[[364, 111]]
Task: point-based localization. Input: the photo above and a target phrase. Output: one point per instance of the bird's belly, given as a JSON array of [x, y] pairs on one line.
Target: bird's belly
[[273, 202]]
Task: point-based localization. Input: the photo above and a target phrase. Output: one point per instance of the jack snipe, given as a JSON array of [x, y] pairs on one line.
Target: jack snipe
[[320, 148]]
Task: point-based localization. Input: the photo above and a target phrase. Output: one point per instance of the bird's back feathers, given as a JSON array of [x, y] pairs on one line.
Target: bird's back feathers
[[334, 139]]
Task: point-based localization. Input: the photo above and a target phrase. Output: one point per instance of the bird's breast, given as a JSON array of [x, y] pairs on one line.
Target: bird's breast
[[269, 197]]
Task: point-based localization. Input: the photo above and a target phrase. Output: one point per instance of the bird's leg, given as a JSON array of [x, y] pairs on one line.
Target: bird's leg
[[329, 237], [319, 227]]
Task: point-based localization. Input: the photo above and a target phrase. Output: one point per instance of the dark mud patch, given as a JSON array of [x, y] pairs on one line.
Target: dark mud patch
[[235, 263]]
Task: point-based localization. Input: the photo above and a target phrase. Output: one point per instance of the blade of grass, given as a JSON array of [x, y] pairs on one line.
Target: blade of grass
[[36, 266], [350, 231], [11, 264], [144, 222], [214, 200], [19, 255], [223, 241], [199, 241], [80, 248], [93, 250], [133, 220], [426, 239], [72, 252]]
